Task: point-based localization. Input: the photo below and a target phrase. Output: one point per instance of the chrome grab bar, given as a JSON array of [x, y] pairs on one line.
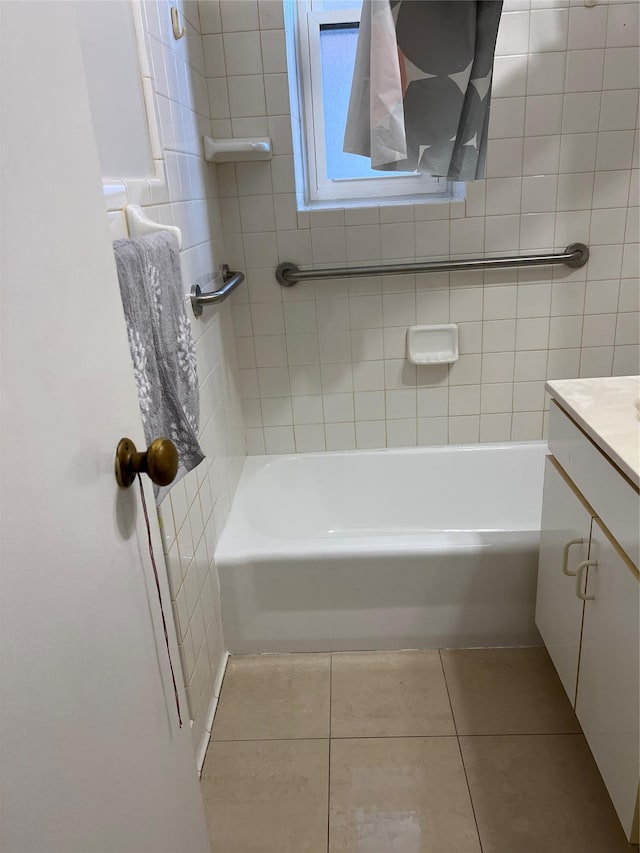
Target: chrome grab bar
[[575, 255], [230, 280]]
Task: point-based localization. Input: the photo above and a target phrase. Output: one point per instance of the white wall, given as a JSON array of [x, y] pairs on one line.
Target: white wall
[[322, 365], [112, 73], [196, 508]]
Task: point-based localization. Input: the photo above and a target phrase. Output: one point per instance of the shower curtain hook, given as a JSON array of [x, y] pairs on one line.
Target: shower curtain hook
[[178, 33]]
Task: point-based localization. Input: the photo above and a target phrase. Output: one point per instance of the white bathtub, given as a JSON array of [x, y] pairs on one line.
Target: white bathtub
[[413, 548]]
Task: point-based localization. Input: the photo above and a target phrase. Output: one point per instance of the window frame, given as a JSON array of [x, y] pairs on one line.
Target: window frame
[[302, 24]]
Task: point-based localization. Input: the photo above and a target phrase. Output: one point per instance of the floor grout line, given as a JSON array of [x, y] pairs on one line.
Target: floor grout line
[[330, 738], [464, 769], [457, 735], [269, 739]]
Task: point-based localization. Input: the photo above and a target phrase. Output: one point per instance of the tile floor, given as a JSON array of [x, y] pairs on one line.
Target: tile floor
[[467, 751]]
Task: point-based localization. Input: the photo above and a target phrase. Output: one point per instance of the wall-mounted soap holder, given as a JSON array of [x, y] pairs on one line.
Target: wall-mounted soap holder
[[139, 224], [237, 150], [432, 344]]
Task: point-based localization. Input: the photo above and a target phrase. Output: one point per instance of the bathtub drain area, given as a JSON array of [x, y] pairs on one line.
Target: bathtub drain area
[[464, 751]]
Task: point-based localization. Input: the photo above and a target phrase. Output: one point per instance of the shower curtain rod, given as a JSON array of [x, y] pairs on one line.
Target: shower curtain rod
[[575, 255]]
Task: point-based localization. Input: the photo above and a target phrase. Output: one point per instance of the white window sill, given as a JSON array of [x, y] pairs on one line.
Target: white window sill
[[455, 196]]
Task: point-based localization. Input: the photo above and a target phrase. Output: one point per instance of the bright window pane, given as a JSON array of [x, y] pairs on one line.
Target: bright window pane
[[338, 6], [338, 53]]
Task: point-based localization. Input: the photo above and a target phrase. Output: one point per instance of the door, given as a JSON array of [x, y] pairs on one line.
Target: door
[[564, 543], [92, 758], [609, 684]]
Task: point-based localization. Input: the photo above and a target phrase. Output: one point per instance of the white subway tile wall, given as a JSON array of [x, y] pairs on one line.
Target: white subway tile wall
[[322, 364], [193, 514]]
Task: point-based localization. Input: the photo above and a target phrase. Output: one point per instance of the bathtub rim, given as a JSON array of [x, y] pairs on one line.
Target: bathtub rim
[[240, 540], [255, 462]]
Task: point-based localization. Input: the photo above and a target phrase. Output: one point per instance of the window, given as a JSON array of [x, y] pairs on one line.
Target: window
[[321, 41]]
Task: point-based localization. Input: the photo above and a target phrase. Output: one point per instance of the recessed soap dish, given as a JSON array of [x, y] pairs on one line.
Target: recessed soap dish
[[432, 344], [237, 150]]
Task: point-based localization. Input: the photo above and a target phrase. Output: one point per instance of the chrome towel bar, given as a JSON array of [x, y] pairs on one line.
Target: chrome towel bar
[[230, 280], [575, 255]]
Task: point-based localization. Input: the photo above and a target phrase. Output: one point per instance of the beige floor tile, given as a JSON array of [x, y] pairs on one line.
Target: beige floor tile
[[267, 796], [506, 691], [539, 794], [274, 696], [400, 794], [389, 694]]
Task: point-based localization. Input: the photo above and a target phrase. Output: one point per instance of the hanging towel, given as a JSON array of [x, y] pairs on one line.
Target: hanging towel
[[164, 358], [422, 86]]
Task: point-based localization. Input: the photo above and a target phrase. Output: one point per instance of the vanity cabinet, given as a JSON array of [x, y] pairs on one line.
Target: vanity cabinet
[[588, 603], [564, 545], [607, 701]]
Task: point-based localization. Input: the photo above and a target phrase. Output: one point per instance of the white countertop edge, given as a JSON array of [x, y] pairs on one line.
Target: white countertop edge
[[607, 410]]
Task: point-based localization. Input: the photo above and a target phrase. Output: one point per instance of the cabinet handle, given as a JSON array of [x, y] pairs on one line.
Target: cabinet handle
[[583, 565], [565, 557]]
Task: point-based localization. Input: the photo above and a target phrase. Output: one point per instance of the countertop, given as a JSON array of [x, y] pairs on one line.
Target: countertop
[[608, 410]]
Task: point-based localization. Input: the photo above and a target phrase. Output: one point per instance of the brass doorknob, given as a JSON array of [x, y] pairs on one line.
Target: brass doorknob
[[160, 462]]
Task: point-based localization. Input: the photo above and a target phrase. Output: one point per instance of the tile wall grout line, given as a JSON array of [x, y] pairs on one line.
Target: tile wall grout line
[[464, 769], [590, 210]]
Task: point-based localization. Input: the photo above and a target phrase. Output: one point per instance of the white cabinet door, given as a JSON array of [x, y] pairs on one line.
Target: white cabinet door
[[609, 683], [564, 543]]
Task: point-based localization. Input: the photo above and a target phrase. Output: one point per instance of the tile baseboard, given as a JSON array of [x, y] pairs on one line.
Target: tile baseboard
[[211, 712]]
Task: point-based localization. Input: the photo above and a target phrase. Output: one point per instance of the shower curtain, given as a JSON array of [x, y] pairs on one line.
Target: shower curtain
[[422, 86]]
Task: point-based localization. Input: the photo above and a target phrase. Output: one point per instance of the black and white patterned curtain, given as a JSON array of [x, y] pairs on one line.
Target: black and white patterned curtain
[[422, 86]]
